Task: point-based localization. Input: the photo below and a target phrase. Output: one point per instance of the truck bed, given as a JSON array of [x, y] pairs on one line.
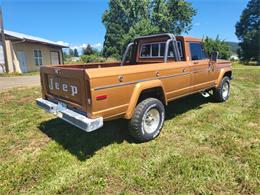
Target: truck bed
[[72, 84]]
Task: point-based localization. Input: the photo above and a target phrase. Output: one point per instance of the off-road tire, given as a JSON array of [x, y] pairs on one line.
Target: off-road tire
[[218, 92], [136, 124]]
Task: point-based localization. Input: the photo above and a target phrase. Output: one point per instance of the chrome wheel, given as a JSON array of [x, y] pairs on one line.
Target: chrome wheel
[[225, 90], [151, 120]]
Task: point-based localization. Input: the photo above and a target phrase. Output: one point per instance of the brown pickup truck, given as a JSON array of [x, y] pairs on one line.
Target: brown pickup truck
[[155, 70]]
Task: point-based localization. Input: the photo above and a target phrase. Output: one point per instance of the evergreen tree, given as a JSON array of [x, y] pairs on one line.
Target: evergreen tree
[[75, 53], [248, 32], [126, 19], [71, 52], [65, 55], [88, 50]]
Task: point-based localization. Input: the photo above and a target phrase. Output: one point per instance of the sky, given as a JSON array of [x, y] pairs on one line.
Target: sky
[[78, 22]]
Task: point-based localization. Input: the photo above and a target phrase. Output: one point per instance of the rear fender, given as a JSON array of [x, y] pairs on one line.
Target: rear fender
[[139, 87]]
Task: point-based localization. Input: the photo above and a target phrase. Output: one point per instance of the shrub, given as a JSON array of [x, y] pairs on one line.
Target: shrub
[[212, 45], [92, 58]]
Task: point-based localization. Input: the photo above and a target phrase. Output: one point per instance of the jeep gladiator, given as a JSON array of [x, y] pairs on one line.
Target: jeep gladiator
[[155, 70]]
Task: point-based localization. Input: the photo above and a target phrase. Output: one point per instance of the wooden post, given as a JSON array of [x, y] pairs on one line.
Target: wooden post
[[2, 39]]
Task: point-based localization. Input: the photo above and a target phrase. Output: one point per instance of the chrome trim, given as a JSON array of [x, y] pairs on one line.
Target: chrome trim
[[201, 70], [161, 77], [70, 116], [176, 75], [139, 81], [219, 66]]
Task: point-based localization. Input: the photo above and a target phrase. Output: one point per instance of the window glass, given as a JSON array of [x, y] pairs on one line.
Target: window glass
[[37, 57], [146, 50], [39, 53], [155, 50], [158, 49], [162, 49], [180, 48], [170, 51], [197, 52]]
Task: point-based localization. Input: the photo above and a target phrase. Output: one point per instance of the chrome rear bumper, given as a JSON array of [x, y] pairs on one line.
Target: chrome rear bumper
[[70, 116]]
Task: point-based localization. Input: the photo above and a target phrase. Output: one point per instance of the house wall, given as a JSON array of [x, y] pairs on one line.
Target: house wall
[[9, 54], [28, 49]]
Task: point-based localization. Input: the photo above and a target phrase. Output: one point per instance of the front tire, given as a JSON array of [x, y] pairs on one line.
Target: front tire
[[147, 120], [222, 92]]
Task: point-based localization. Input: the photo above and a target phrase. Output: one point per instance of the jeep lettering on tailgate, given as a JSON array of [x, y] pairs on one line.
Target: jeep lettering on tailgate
[[55, 84]]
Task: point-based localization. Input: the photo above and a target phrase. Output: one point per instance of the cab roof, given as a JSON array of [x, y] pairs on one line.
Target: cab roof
[[169, 35]]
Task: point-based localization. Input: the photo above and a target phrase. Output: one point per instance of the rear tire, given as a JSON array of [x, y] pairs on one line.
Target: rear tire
[[222, 92], [147, 120]]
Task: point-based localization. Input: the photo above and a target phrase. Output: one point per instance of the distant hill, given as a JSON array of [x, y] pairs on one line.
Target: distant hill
[[233, 47]]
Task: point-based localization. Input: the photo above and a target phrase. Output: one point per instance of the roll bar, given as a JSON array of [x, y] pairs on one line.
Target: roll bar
[[172, 39], [126, 52]]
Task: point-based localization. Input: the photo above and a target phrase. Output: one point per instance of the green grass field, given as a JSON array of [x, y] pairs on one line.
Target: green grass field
[[204, 147], [19, 74]]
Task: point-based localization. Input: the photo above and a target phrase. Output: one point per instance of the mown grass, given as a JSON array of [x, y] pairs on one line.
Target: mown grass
[[204, 147], [19, 74]]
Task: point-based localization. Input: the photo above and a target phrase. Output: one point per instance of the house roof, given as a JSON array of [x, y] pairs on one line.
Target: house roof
[[30, 38]]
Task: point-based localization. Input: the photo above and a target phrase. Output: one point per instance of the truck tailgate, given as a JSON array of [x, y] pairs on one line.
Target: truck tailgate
[[67, 85]]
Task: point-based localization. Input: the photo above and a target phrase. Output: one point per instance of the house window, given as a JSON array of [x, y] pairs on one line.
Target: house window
[[197, 51], [156, 50], [37, 57]]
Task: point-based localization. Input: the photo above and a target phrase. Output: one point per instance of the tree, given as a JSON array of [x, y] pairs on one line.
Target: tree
[[75, 53], [127, 19], [211, 45], [65, 56], [248, 32], [71, 52], [173, 16], [88, 50]]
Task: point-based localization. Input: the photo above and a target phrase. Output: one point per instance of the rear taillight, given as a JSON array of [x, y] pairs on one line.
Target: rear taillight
[[101, 97]]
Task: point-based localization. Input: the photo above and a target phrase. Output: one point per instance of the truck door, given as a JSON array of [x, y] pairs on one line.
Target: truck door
[[200, 67], [178, 81]]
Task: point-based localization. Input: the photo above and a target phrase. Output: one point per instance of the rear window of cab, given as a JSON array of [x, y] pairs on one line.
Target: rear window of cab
[[157, 49]]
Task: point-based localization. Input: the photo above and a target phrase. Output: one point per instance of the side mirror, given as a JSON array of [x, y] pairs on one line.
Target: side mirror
[[214, 56]]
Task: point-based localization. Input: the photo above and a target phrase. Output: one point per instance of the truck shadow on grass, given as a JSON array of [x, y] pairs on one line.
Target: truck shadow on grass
[[84, 145]]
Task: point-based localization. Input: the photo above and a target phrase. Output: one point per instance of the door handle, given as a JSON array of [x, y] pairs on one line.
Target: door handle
[[195, 62], [184, 70]]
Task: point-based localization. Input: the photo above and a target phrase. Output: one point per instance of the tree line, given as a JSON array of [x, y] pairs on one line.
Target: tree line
[[88, 50], [88, 54], [126, 19], [248, 32]]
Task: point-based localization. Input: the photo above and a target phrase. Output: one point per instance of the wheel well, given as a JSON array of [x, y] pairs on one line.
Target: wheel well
[[156, 92], [228, 74]]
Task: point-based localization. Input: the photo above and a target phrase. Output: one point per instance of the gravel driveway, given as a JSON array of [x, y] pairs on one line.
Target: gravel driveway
[[19, 81]]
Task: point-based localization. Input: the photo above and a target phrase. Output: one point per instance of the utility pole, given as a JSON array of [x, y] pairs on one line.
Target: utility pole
[[2, 40]]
